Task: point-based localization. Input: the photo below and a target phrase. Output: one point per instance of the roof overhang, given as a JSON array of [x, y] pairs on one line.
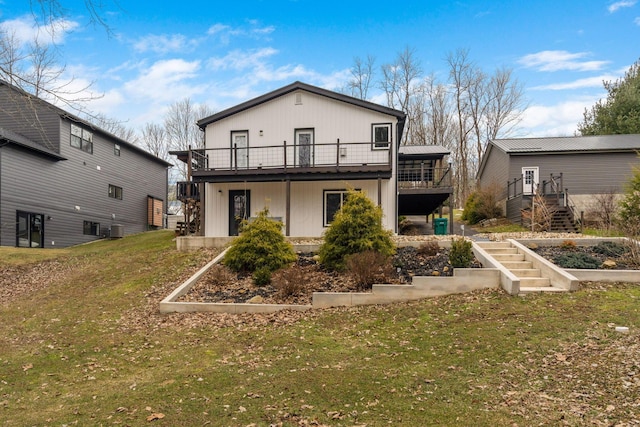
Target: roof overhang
[[13, 138]]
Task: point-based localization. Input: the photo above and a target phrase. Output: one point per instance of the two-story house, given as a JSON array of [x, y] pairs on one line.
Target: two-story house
[[64, 181], [298, 150]]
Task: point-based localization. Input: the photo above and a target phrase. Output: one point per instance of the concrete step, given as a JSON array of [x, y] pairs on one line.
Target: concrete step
[[526, 272], [531, 290], [508, 257], [486, 245], [514, 265], [498, 251], [534, 282]]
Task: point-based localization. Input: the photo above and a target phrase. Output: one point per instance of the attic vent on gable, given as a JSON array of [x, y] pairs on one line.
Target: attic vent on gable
[[298, 98]]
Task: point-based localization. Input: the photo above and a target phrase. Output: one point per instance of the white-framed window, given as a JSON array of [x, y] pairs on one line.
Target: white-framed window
[[81, 139], [116, 149], [381, 136]]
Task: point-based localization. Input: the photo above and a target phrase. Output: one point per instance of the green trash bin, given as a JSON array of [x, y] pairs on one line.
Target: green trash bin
[[440, 226]]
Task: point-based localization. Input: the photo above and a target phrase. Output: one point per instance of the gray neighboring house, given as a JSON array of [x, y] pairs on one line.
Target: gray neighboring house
[[64, 181], [573, 170]]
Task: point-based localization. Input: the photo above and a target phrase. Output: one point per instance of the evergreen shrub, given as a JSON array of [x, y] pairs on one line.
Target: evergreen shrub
[[356, 227], [260, 249]]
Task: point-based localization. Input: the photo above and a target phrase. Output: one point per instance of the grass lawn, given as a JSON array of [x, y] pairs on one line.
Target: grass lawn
[[90, 348]]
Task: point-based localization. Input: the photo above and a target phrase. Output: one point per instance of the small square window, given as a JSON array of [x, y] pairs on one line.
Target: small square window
[[115, 192], [91, 228], [116, 150]]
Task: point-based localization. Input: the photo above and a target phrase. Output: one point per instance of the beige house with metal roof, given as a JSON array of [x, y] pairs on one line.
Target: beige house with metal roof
[[575, 169]]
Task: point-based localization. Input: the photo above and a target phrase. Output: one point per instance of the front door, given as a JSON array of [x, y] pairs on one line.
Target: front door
[[240, 147], [304, 146], [530, 180], [29, 230], [239, 209]]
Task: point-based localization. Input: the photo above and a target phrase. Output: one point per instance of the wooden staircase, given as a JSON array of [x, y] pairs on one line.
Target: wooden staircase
[[530, 278], [562, 220]]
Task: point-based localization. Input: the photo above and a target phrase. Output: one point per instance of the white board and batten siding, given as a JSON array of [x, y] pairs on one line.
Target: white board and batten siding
[[307, 203], [279, 118]]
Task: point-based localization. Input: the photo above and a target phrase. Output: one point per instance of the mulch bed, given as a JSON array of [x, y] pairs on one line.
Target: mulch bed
[[622, 262], [223, 286]]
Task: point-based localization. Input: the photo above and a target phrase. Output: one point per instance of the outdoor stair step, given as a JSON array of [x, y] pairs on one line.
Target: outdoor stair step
[[498, 251], [508, 257], [534, 289], [534, 282], [526, 272], [511, 265], [488, 245]]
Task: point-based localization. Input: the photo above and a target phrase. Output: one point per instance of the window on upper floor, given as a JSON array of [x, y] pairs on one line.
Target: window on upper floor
[[116, 149], [91, 228], [381, 135], [115, 192], [81, 139]]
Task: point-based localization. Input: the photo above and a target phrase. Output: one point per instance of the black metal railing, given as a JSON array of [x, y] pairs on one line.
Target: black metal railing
[[187, 190], [290, 156], [424, 177]]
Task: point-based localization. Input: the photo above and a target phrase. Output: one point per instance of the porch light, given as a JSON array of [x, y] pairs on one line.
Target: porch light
[[261, 133]]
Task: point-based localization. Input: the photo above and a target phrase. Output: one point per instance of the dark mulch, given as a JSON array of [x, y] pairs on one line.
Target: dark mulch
[[222, 285], [552, 253]]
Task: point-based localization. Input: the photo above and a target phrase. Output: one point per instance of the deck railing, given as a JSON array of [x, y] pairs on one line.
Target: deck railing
[[187, 190], [424, 177], [290, 156]]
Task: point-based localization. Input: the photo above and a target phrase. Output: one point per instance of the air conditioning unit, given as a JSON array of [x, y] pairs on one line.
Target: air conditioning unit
[[117, 231]]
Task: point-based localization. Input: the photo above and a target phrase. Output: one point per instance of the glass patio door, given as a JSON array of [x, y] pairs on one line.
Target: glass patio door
[[29, 230]]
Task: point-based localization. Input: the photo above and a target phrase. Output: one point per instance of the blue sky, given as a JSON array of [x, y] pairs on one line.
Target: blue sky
[[223, 53]]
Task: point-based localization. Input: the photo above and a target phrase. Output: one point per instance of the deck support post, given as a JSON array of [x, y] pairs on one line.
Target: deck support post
[[288, 208]]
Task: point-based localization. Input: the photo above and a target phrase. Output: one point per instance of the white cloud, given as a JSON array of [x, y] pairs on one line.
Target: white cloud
[[578, 84], [614, 7], [560, 60], [241, 60], [165, 81], [637, 21], [26, 30], [164, 44], [560, 119], [254, 30]]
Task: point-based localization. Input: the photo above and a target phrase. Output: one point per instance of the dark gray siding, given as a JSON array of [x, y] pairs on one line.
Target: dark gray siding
[[583, 173], [496, 170], [30, 118], [36, 184]]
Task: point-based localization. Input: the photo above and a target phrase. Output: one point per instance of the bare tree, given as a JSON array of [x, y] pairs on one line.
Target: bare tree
[[461, 76], [505, 104], [181, 129], [362, 74], [399, 82], [114, 127], [154, 140], [35, 65]]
